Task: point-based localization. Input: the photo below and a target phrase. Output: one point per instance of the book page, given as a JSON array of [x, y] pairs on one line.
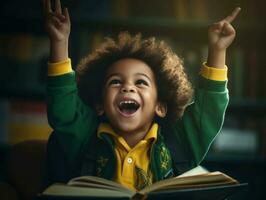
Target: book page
[[73, 191], [195, 171], [192, 181], [95, 185], [193, 186], [97, 182]]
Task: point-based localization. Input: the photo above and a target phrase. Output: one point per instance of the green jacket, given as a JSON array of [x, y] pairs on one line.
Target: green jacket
[[75, 125]]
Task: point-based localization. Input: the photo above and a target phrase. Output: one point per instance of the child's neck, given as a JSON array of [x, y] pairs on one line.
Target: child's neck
[[133, 138]]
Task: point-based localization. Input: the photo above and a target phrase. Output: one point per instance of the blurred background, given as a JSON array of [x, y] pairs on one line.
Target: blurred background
[[240, 149]]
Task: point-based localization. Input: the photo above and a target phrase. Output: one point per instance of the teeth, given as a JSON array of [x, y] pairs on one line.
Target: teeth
[[127, 102]]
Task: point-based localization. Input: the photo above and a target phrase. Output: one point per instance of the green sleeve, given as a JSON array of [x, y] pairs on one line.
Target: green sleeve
[[203, 119], [73, 122]]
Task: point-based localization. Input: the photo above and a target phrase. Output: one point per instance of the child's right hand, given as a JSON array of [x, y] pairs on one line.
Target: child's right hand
[[57, 22]]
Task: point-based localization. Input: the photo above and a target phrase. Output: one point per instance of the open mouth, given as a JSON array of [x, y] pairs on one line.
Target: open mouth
[[128, 107]]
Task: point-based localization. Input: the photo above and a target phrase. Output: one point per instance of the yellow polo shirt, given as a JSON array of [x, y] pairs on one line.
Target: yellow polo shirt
[[133, 164]]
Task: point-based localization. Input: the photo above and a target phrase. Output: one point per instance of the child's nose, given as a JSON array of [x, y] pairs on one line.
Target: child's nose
[[127, 88]]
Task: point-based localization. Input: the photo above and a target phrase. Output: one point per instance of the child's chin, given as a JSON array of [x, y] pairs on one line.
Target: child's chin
[[127, 127]]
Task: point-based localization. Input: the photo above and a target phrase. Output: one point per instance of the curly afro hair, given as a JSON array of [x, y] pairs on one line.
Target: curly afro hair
[[174, 89]]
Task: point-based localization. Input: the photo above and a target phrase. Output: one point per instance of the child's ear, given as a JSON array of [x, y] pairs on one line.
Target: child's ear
[[161, 110], [99, 109]]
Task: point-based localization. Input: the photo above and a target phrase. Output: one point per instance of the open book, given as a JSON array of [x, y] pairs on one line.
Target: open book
[[197, 183]]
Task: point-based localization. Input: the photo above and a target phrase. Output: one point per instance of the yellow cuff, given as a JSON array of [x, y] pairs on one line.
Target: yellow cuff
[[213, 73], [59, 68]]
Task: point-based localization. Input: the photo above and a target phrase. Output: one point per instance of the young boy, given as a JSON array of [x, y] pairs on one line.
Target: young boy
[[128, 115]]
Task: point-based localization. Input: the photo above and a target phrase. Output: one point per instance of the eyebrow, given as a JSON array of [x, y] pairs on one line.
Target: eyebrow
[[117, 74], [144, 75]]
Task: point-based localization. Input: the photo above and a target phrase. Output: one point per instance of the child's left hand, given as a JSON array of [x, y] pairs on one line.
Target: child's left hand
[[222, 33]]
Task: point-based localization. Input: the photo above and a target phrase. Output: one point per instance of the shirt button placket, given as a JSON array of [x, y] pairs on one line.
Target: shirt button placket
[[129, 160], [128, 167]]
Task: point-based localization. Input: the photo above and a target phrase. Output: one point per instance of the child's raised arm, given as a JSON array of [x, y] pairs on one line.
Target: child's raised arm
[[57, 24], [221, 35]]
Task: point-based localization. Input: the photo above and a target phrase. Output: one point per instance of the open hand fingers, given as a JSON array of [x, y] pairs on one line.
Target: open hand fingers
[[66, 14], [233, 15], [48, 11], [47, 7], [58, 9]]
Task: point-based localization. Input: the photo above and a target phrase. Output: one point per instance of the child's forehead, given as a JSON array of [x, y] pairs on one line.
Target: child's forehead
[[130, 66]]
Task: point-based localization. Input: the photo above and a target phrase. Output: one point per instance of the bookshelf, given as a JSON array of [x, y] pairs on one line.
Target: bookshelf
[[183, 24]]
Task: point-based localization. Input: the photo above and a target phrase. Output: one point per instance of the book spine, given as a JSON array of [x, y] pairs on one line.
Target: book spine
[[27, 120]]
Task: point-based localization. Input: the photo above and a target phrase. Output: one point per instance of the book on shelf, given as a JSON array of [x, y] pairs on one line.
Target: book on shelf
[[27, 120], [197, 183]]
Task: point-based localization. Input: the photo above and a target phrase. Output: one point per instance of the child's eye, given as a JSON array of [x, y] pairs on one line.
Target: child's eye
[[114, 82], [142, 82]]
